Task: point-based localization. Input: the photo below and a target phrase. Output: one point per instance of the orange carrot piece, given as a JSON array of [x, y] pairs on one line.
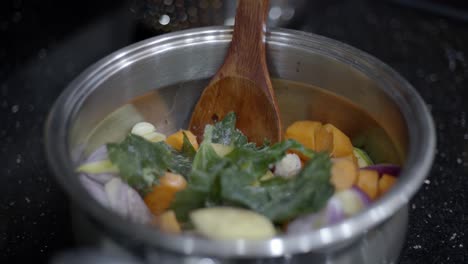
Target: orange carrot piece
[[341, 143], [385, 183], [344, 174], [167, 222], [176, 140], [162, 195], [304, 133], [368, 183], [323, 140]]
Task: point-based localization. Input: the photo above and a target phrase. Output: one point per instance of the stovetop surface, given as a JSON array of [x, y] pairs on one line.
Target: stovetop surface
[[45, 44]]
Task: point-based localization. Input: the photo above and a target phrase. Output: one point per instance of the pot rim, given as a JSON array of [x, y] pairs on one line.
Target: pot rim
[[421, 149]]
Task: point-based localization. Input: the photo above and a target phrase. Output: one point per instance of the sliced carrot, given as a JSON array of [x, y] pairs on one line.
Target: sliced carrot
[[341, 143], [344, 174], [160, 198], [176, 140], [304, 133], [323, 140], [167, 222], [385, 183], [368, 182]]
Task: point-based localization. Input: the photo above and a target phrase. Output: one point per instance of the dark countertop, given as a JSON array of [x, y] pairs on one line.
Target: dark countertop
[[44, 44]]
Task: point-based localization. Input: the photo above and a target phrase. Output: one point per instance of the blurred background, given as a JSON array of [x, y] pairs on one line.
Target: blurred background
[[45, 44]]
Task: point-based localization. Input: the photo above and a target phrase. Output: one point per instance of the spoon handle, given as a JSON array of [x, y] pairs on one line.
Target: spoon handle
[[246, 54]]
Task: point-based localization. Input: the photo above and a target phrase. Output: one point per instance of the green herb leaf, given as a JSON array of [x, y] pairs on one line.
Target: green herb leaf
[[285, 199], [225, 132], [235, 178], [179, 163], [187, 200], [140, 162]]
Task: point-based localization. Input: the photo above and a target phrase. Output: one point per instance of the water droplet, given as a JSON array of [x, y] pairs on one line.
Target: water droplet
[[42, 53], [18, 158], [15, 108], [275, 13], [16, 17], [164, 19]]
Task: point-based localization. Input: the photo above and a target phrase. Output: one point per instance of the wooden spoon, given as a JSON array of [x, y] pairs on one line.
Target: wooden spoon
[[242, 84]]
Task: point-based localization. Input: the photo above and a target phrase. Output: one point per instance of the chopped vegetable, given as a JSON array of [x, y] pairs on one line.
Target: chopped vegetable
[[385, 183], [176, 140], [304, 133], [288, 166], [95, 189], [363, 159], [222, 150], [226, 133], [232, 179], [231, 223], [390, 169], [340, 206], [323, 140], [167, 222], [126, 201], [96, 167], [141, 162], [352, 201], [344, 173], [368, 183], [341, 143], [147, 131], [162, 195], [229, 188]]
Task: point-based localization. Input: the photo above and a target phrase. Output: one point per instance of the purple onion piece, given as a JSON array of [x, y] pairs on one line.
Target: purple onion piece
[[340, 206], [334, 211], [102, 178], [126, 201], [390, 169], [331, 214], [306, 223], [98, 155], [95, 189], [362, 195]]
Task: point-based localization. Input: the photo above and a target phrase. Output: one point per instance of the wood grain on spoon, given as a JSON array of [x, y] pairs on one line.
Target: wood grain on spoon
[[242, 84]]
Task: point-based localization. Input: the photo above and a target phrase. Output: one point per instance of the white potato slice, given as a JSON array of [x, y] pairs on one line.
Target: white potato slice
[[231, 223]]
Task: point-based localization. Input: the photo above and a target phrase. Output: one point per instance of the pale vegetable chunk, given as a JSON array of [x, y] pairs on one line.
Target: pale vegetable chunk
[[222, 150], [147, 131], [288, 166], [231, 223], [102, 166], [143, 128], [363, 159]]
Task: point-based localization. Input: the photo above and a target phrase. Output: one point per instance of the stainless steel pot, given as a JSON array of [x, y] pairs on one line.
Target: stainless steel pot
[[399, 125]]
